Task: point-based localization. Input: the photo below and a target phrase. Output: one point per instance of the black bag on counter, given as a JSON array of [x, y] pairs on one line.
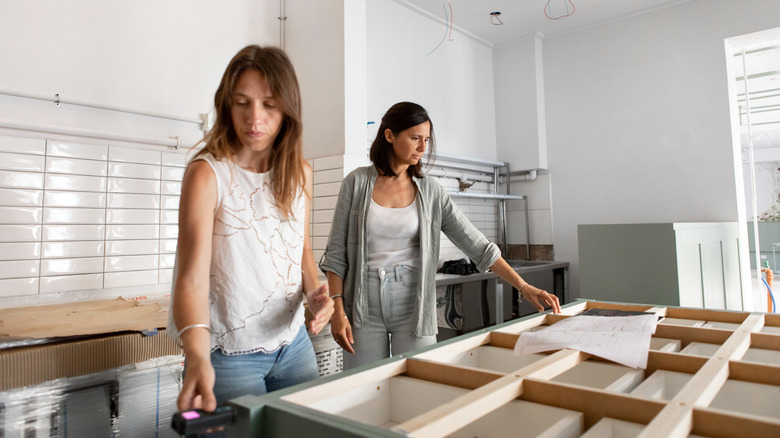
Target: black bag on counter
[[458, 267]]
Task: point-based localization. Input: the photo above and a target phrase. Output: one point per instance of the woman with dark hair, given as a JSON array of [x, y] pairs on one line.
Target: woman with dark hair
[[244, 262], [383, 248]]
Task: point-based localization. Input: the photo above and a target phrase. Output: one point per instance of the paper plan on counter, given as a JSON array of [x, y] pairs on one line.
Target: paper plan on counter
[[621, 339]]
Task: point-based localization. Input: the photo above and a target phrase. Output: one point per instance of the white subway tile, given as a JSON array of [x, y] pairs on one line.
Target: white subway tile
[[171, 188], [166, 276], [327, 163], [168, 245], [128, 200], [74, 216], [22, 163], [130, 155], [324, 203], [122, 232], [137, 217], [170, 202], [319, 242], [125, 185], [16, 287], [327, 189], [172, 173], [132, 170], [57, 148], [321, 230], [21, 197], [132, 247], [75, 183], [21, 180], [74, 166], [91, 265], [73, 232], [19, 268], [132, 263], [20, 233], [20, 215], [169, 231], [71, 283], [20, 251], [176, 159], [131, 278], [167, 260], [74, 199], [323, 217], [73, 249], [169, 217], [23, 145], [328, 176]]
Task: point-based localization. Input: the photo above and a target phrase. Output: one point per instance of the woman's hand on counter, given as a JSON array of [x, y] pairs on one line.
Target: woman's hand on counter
[[540, 298]]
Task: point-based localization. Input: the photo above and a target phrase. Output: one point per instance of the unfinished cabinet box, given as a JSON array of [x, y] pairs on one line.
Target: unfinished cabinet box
[[692, 264], [474, 386]]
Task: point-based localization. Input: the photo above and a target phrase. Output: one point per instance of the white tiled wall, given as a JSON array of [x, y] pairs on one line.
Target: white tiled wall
[[328, 173], [77, 217]]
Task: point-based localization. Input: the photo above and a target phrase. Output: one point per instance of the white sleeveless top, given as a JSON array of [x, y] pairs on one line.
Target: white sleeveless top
[[393, 235], [255, 295]]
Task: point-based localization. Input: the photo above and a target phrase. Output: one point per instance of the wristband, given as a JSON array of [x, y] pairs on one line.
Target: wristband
[[333, 297], [193, 326]]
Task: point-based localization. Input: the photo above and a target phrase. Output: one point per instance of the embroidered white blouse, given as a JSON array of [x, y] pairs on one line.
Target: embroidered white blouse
[[255, 298]]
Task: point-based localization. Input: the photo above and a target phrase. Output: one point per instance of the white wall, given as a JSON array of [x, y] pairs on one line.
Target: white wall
[[163, 57], [638, 119], [454, 83]]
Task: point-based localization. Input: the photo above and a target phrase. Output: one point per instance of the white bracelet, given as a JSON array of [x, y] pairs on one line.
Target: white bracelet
[[206, 326], [520, 290]]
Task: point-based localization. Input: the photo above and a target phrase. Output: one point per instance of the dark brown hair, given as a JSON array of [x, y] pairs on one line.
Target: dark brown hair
[[401, 116], [287, 153]]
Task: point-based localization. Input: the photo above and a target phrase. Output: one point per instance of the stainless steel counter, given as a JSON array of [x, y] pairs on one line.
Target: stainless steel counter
[[477, 289]]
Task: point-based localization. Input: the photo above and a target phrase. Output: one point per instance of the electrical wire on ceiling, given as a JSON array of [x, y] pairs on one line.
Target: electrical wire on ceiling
[[495, 19], [447, 28], [549, 14]]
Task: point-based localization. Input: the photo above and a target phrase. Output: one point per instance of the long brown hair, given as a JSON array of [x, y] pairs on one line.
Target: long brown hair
[[286, 160]]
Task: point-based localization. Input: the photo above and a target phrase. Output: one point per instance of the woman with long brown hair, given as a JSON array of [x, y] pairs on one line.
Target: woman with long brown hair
[[244, 262]]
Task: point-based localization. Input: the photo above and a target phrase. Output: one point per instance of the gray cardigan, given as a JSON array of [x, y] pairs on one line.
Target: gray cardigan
[[345, 254]]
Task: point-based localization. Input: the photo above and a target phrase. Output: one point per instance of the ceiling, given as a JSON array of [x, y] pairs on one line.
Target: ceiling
[[525, 17], [521, 18]]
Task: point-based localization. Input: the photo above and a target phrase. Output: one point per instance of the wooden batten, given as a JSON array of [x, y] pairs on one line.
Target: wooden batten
[[503, 340], [692, 334], [539, 320], [757, 373], [617, 306], [681, 363], [455, 347], [595, 404], [711, 423], [459, 376], [707, 315], [335, 387], [765, 341]]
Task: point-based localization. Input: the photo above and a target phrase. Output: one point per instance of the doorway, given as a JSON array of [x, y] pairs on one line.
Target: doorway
[[754, 84]]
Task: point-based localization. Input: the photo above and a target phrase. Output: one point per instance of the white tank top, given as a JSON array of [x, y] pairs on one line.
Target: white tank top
[[255, 295], [393, 235]]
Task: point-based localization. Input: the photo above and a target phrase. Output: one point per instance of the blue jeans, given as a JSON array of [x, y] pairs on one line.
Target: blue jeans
[[258, 373], [392, 295]]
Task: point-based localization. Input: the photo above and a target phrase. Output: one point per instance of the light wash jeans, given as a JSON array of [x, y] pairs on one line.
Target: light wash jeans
[[258, 373], [391, 303]]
